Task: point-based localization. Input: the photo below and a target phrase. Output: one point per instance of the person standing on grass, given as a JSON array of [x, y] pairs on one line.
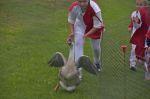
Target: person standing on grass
[[147, 52], [133, 26], [147, 19], [138, 37], [85, 21]]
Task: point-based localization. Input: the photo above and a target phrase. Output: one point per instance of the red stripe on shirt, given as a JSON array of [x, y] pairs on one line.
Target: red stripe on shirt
[[73, 5]]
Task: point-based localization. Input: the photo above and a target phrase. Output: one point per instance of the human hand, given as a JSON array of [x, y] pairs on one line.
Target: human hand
[[86, 35], [70, 39], [129, 29]]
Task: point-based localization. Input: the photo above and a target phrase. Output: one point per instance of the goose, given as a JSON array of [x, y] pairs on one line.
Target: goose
[[68, 73]]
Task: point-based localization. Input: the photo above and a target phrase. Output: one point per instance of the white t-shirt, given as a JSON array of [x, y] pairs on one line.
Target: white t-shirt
[[135, 25]]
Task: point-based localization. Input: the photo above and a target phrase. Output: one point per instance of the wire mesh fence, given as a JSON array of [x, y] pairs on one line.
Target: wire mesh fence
[[122, 83], [115, 81]]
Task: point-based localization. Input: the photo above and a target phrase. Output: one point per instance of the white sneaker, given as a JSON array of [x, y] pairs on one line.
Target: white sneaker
[[133, 68], [99, 68]]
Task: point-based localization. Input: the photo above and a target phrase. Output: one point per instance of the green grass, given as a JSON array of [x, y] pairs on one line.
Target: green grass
[[32, 30]]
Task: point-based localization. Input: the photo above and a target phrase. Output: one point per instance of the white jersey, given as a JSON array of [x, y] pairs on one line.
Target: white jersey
[[135, 25], [76, 17]]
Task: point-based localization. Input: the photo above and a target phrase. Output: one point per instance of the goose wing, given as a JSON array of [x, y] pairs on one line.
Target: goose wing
[[57, 60], [85, 62]]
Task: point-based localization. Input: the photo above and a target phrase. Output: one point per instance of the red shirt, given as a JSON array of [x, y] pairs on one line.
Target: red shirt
[[147, 19], [139, 37]]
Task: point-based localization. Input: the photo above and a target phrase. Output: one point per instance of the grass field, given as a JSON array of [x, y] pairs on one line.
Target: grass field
[[32, 30]]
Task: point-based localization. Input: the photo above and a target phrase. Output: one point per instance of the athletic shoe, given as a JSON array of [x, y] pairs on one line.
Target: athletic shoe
[[98, 67], [133, 68]]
